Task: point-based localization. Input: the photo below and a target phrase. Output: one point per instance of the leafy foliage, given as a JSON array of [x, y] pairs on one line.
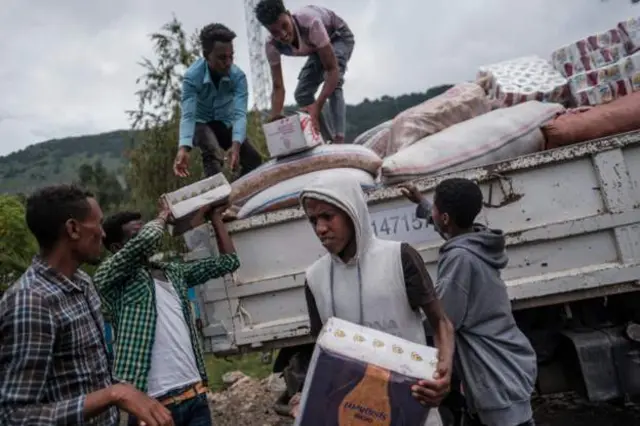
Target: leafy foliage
[[109, 191], [17, 245]]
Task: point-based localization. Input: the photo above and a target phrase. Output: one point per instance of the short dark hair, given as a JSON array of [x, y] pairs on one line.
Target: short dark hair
[[112, 227], [461, 199], [268, 11], [49, 208], [212, 33]]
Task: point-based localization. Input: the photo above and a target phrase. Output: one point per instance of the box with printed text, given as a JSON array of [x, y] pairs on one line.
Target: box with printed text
[[290, 135], [361, 376]]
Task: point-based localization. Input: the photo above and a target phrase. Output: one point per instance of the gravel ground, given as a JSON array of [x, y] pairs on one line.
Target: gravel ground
[[570, 410]]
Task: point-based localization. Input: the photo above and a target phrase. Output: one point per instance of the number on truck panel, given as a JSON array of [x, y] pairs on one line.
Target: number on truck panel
[[392, 225]]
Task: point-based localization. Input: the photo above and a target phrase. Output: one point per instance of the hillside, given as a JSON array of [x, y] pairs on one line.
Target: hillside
[[58, 160]]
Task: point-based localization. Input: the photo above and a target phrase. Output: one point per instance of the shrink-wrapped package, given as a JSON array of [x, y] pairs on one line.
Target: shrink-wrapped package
[[361, 376], [525, 79], [590, 53], [630, 31]]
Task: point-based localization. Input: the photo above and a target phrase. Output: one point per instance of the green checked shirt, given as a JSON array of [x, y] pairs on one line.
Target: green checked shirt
[[128, 291]]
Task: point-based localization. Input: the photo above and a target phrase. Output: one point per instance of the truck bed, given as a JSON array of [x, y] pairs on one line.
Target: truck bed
[[571, 218]]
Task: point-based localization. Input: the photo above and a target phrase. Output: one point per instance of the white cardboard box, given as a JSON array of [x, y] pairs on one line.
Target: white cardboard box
[[290, 135], [189, 204]]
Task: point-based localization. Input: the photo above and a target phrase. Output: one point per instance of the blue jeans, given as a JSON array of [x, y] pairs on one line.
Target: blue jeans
[[312, 76], [192, 412]]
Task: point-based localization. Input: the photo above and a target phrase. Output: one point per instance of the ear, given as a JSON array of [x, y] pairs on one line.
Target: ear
[[73, 229], [446, 220]]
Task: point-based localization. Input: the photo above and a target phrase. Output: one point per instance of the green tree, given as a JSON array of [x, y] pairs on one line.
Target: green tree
[[17, 245], [104, 184]]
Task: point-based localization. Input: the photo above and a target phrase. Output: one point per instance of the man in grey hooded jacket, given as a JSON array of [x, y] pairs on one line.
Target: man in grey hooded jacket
[[494, 359], [365, 280]]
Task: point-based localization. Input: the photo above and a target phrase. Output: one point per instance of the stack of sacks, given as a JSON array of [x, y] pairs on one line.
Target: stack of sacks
[[524, 79], [499, 135], [619, 116], [598, 67], [278, 170], [376, 139], [460, 103], [361, 376], [630, 31]]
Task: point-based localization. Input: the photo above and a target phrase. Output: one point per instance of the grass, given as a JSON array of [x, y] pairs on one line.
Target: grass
[[250, 364]]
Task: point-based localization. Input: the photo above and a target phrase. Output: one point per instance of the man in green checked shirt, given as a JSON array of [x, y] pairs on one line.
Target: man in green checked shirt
[[158, 349]]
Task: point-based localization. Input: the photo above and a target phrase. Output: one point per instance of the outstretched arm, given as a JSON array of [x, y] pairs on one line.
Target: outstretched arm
[[200, 272], [114, 271]]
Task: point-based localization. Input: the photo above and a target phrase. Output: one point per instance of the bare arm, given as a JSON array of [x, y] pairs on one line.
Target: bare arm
[[223, 239], [278, 92], [332, 73]]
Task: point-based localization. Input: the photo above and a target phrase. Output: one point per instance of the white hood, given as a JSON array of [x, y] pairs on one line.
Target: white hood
[[347, 195]]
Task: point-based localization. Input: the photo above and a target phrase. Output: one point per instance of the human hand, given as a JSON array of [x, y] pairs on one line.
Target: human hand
[[148, 410], [314, 112], [411, 192], [164, 211], [432, 392], [181, 163], [294, 403], [234, 157], [275, 117]]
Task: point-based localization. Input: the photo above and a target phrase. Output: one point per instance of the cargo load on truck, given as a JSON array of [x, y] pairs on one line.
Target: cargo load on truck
[[603, 66], [496, 136], [471, 124]]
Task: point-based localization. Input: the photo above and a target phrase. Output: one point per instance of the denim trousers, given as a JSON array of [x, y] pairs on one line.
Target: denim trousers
[[192, 412]]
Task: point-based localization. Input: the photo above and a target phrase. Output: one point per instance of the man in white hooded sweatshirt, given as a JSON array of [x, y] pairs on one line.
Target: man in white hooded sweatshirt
[[376, 283]]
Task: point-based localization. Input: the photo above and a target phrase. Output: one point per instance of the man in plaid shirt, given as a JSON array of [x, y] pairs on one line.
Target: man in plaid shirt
[[52, 348], [157, 344]]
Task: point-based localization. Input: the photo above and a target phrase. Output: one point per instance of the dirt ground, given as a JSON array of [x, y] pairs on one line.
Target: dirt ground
[[248, 402]]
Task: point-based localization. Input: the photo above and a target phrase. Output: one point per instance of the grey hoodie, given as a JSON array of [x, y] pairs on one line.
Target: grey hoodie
[[496, 361]]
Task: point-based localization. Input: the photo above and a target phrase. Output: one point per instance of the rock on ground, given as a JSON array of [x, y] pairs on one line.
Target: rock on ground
[[247, 402]]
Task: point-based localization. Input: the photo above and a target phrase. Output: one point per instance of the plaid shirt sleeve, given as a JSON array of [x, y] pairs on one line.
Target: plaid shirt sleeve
[[115, 270], [27, 335], [201, 271]]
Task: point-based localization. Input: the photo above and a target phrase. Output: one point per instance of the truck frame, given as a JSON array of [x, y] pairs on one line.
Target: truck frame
[[572, 222]]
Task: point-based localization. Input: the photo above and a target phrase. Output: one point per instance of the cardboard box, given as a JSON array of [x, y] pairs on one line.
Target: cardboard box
[[290, 135], [361, 376], [189, 204]]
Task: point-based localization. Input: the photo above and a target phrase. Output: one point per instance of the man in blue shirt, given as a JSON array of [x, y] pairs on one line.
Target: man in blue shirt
[[214, 107]]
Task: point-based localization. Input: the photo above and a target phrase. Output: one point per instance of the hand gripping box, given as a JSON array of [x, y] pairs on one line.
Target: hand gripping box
[[290, 135], [361, 376], [189, 204]]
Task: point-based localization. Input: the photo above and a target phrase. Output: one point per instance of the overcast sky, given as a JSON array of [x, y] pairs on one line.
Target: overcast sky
[[68, 67]]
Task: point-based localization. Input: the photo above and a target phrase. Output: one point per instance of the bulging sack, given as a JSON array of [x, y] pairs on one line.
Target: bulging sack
[[499, 135], [363, 138], [619, 116], [462, 102], [285, 194], [320, 158], [361, 376]]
